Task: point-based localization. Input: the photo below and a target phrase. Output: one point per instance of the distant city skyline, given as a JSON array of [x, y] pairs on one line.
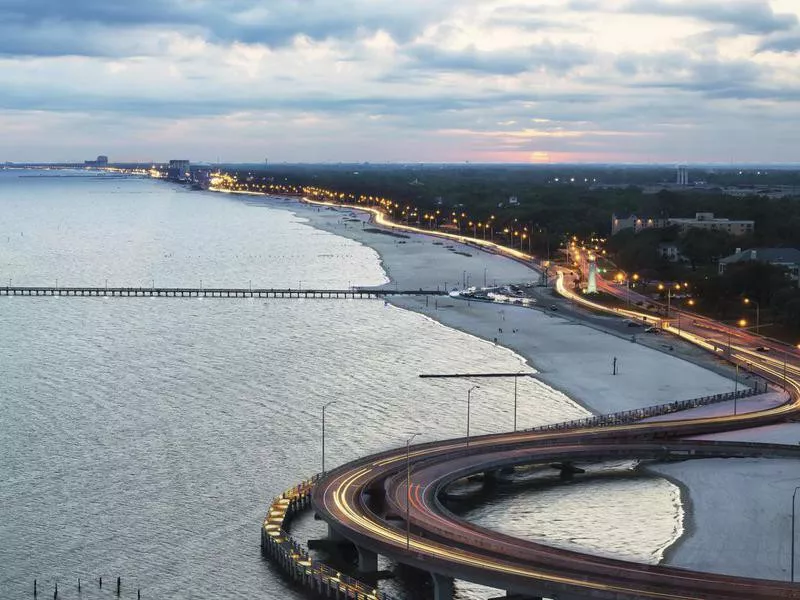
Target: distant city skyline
[[582, 81]]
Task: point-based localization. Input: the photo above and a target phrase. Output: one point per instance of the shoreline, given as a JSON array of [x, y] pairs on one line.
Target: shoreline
[[412, 268], [568, 333]]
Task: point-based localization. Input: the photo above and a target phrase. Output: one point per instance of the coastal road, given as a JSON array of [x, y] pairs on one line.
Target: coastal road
[[351, 499], [364, 500]]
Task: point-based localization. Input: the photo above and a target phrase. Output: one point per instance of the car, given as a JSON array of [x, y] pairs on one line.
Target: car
[[762, 349], [655, 330], [553, 307], [633, 324]]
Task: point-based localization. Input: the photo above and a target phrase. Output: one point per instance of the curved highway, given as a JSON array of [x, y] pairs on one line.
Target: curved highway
[[352, 500], [364, 501]]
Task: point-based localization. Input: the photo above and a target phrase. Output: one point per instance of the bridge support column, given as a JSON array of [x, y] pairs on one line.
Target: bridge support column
[[490, 478], [367, 561], [334, 535], [443, 588]]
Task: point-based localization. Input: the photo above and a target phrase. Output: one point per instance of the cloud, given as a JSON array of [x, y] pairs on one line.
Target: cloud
[[785, 42], [744, 16], [273, 24], [400, 79], [546, 57]]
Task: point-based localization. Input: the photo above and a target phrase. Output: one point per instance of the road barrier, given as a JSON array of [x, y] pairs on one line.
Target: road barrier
[[294, 559], [637, 414]]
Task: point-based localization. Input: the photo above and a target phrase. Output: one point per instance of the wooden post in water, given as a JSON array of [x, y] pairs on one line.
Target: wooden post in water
[[119, 583], [101, 583], [35, 592], [79, 584]]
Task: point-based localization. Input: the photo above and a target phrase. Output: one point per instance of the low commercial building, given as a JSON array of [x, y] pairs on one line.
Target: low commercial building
[[789, 258], [178, 170], [636, 223], [707, 221], [702, 220]]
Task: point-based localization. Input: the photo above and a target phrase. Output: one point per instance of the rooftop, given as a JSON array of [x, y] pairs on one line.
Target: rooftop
[[768, 255]]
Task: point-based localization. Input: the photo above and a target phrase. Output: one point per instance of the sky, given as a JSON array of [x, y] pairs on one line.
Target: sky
[[528, 81]]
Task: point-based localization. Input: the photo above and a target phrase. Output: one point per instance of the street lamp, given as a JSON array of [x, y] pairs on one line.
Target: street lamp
[[518, 373], [408, 489], [323, 433], [794, 498], [758, 311], [469, 395]]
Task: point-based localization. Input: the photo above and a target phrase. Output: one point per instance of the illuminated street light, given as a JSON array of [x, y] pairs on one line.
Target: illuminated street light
[[748, 301]]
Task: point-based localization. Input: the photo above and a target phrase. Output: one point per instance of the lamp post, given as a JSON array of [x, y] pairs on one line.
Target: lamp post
[[758, 311], [515, 399], [794, 498], [408, 489], [324, 407], [469, 395]]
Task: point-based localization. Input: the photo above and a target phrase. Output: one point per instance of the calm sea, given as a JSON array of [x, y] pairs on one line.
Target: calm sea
[[143, 438]]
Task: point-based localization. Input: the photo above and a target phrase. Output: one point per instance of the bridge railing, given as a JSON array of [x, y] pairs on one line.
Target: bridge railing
[[294, 559], [631, 416]]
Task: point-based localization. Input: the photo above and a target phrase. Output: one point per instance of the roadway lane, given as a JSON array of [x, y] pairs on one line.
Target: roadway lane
[[431, 520], [351, 498]]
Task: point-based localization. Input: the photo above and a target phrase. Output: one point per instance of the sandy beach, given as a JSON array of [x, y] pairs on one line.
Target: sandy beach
[[567, 354], [573, 352]]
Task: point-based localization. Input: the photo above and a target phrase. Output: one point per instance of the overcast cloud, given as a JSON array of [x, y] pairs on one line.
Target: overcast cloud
[[418, 80]]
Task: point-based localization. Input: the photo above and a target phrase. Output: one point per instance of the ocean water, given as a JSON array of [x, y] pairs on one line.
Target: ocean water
[[143, 438]]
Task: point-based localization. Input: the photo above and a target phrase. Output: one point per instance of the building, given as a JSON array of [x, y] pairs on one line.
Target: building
[[636, 223], [178, 170], [788, 258], [201, 179], [704, 220], [707, 221], [670, 251], [102, 161]]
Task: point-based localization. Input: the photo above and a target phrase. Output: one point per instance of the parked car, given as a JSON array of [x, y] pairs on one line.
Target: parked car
[[655, 330], [553, 307], [762, 349]]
